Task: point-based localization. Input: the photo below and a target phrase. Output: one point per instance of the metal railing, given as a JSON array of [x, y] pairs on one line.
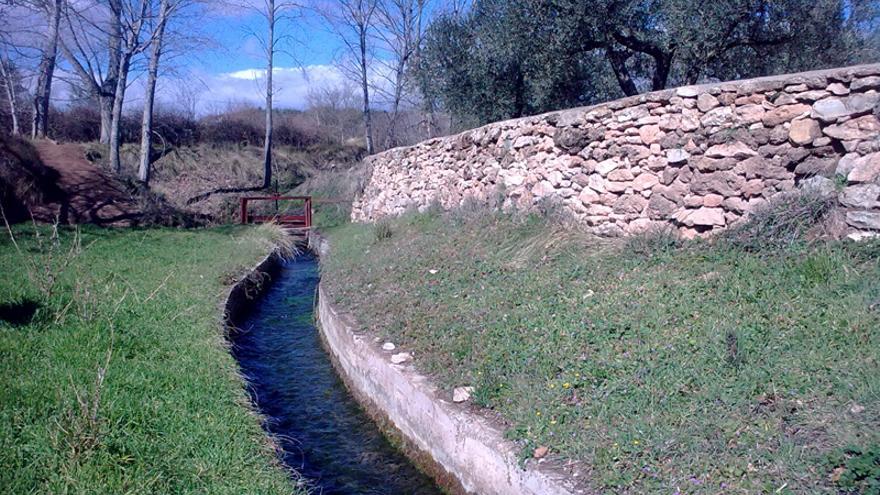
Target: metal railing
[[299, 219]]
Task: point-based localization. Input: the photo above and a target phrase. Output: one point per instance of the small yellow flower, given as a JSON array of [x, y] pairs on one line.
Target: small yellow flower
[[552, 385], [636, 442], [566, 385], [538, 413], [552, 421]]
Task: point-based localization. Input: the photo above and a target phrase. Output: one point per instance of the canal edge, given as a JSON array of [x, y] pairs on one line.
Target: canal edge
[[463, 451]]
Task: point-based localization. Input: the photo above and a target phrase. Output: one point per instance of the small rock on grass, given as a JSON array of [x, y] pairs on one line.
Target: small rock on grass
[[541, 452], [462, 394], [401, 358], [388, 346]]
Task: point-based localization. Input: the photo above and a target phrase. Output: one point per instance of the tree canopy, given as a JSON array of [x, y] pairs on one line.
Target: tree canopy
[[508, 58]]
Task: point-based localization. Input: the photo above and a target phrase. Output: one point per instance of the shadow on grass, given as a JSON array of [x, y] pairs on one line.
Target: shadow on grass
[[19, 313]]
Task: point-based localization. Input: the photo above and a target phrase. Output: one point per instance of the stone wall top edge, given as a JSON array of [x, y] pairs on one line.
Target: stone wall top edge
[[741, 86]]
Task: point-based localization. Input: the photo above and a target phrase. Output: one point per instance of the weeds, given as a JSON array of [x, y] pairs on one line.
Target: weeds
[[81, 429], [856, 470], [382, 230], [732, 343], [782, 223], [50, 258], [653, 242]]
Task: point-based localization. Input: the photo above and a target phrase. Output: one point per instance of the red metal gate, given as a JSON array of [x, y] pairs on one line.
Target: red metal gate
[[301, 219]]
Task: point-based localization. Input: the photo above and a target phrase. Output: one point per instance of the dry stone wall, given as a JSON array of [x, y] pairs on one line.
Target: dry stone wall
[[697, 157]]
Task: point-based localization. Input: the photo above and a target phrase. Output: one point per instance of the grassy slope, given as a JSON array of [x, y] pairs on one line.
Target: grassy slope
[[172, 415], [701, 369]]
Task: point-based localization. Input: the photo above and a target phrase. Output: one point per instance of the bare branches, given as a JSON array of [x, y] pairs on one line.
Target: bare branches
[[353, 21]]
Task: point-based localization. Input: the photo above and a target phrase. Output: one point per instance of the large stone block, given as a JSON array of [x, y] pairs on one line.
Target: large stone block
[[864, 219], [702, 217], [865, 168], [865, 127], [804, 131], [784, 114], [834, 108], [866, 196]]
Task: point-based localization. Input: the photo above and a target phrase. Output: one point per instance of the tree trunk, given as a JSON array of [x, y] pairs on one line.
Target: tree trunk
[[9, 83], [391, 141], [270, 59], [152, 74], [105, 101], [107, 90], [617, 59], [663, 64], [45, 72], [116, 112], [368, 119]]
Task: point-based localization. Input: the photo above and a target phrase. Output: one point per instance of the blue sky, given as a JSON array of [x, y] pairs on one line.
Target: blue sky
[[312, 43], [232, 72]]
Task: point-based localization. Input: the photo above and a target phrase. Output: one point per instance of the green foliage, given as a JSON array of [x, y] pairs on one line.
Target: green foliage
[[506, 59], [117, 379], [658, 366], [857, 470]]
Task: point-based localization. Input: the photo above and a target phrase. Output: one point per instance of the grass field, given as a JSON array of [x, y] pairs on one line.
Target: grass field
[[658, 367], [115, 378]]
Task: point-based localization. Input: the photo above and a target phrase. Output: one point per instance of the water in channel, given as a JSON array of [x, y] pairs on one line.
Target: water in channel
[[324, 434]]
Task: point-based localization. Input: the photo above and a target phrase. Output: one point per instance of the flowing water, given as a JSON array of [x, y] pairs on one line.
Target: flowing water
[[324, 434]]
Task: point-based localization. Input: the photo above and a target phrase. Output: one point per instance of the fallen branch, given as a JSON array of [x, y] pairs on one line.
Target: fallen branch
[[223, 190]]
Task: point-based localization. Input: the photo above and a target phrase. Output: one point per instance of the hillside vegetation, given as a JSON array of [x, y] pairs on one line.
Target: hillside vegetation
[[328, 171], [646, 366]]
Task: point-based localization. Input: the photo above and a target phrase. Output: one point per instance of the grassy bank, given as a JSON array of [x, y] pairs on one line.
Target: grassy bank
[[115, 378], [656, 367]]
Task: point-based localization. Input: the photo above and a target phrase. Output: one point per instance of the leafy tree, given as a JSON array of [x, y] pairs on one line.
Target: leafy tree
[[508, 58]]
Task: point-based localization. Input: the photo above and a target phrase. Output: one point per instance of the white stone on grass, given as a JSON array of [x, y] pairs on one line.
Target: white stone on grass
[[401, 358], [462, 394]]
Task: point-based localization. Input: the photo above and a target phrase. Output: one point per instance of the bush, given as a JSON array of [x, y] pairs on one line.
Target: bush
[[781, 223]]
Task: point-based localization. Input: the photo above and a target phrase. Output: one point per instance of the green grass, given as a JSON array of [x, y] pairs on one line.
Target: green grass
[[658, 368], [168, 413]]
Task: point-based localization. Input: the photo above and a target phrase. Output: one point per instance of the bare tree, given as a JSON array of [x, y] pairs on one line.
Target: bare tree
[[133, 18], [401, 32], [271, 19], [334, 107], [353, 21], [146, 158], [46, 70], [9, 79], [91, 45], [274, 13]]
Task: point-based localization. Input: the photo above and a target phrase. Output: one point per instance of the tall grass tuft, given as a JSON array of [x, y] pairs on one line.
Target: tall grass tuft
[[382, 230], [653, 242], [782, 223]]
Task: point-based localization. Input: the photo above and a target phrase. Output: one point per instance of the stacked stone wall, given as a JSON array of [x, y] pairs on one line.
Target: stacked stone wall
[[698, 158]]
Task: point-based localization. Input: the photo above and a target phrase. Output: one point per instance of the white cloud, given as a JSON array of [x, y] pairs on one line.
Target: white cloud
[[292, 86]]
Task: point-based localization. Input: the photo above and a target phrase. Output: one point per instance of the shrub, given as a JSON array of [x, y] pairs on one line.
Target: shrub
[[781, 223]]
